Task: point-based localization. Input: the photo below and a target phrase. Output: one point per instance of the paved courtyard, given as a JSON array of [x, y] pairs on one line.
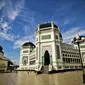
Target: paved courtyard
[[23, 78]]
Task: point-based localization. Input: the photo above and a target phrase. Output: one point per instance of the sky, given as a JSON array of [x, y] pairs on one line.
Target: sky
[[19, 20]]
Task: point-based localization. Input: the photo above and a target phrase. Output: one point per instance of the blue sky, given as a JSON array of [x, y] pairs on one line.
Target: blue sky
[[19, 19]]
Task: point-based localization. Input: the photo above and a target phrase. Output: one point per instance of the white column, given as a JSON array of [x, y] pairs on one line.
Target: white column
[[54, 60], [38, 45], [28, 59], [20, 62]]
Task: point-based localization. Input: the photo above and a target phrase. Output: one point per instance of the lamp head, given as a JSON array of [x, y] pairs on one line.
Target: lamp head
[[83, 38]]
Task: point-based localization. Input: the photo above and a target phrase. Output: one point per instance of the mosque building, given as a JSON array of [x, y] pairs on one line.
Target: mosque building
[[49, 52]]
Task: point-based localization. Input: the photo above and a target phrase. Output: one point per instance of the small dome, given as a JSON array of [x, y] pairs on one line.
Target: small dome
[[28, 44], [1, 48]]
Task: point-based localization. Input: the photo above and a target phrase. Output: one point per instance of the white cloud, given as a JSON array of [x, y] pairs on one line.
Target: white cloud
[[13, 12], [22, 40], [28, 16], [68, 35], [10, 12], [26, 28], [66, 22], [6, 36], [69, 20], [1, 19], [4, 25], [12, 15]]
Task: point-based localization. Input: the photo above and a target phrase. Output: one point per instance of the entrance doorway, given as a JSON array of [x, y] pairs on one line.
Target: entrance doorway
[[46, 58]]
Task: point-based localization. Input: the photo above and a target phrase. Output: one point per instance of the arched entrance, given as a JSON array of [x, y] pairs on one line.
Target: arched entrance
[[46, 58], [25, 62]]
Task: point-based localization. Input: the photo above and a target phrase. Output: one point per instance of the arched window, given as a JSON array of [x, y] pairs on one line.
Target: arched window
[[25, 60]]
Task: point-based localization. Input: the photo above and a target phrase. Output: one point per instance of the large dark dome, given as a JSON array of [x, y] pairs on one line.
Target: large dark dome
[[47, 25], [28, 44], [1, 48]]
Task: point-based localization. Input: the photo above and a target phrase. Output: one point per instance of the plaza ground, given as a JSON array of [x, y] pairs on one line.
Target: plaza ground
[[25, 78]]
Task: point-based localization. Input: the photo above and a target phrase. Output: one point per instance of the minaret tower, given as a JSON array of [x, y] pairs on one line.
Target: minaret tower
[[48, 51]]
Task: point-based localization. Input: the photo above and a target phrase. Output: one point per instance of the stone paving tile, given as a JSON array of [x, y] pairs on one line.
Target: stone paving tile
[[23, 78]]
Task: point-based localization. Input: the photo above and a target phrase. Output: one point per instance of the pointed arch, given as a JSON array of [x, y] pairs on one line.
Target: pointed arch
[[46, 58]]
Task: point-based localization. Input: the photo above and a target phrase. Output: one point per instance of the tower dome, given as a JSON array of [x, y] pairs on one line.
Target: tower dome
[[28, 44]]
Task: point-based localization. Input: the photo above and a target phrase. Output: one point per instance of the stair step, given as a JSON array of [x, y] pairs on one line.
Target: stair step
[[46, 69]]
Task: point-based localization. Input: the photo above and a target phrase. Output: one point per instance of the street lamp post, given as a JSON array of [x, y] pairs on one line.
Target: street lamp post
[[78, 41]]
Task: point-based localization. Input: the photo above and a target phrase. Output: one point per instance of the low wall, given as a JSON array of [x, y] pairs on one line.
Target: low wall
[[3, 65]]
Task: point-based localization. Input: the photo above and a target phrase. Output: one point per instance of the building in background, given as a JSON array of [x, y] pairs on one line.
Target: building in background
[[5, 63], [49, 52]]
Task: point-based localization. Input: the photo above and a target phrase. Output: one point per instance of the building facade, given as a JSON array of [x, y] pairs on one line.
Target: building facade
[[49, 51], [82, 48]]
